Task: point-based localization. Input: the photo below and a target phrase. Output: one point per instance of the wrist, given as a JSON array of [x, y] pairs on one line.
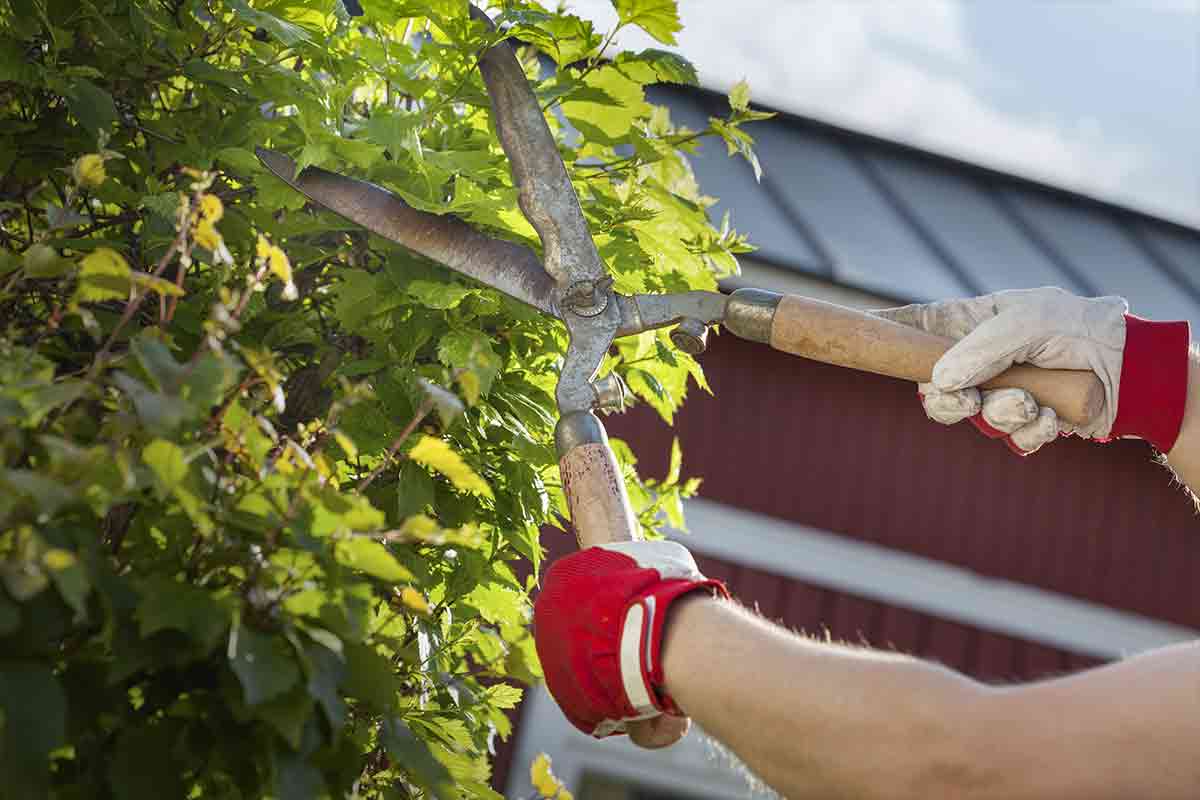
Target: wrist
[[1152, 397], [684, 619]]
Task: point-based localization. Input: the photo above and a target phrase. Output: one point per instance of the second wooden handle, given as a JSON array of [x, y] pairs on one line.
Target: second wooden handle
[[600, 510], [849, 338]]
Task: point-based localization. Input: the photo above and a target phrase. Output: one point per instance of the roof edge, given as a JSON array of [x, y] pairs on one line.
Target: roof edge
[[932, 156]]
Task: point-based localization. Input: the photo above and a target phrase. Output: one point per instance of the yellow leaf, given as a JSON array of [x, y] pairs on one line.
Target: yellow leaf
[[436, 454], [206, 234], [565, 794], [469, 382], [154, 283], [414, 600], [263, 248], [211, 208], [543, 777], [420, 526], [89, 170], [58, 559], [347, 444], [103, 275]]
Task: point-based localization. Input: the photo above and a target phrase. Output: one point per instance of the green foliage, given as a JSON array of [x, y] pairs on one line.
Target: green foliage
[[263, 476]]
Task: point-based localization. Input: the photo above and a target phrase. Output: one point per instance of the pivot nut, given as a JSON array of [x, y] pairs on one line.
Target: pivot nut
[[587, 298], [690, 336], [610, 393]]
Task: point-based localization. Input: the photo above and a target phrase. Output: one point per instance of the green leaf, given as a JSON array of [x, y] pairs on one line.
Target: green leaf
[[371, 557], [92, 106], [164, 205], [739, 96], [167, 462], [370, 677], [40, 261], [287, 714], [663, 65], [414, 490], [171, 605], [432, 294], [605, 109], [659, 18], [295, 778], [415, 758], [326, 670], [34, 710], [286, 32], [264, 664]]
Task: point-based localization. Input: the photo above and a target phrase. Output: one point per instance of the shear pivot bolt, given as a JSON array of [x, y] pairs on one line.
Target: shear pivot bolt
[[610, 393], [587, 298], [690, 336]]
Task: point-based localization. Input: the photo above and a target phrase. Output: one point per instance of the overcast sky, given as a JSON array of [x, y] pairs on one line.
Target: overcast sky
[[1101, 96]]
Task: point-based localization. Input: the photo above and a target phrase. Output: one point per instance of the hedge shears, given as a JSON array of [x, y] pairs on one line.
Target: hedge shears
[[571, 283]]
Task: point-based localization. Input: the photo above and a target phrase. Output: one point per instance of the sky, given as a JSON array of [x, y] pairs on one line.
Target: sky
[[1098, 96]]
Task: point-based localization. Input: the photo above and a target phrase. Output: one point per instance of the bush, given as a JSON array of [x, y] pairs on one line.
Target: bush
[[265, 477]]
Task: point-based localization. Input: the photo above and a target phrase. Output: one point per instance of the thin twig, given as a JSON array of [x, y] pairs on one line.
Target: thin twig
[[178, 245], [422, 412]]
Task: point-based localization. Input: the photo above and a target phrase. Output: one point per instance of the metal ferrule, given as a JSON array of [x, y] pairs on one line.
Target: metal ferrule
[[576, 428], [749, 314]]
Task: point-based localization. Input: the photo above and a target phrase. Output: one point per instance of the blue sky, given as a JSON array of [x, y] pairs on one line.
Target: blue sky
[[1100, 96]]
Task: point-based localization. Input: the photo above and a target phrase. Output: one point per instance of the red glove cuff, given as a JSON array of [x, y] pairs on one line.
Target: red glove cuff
[[660, 599], [1154, 380]]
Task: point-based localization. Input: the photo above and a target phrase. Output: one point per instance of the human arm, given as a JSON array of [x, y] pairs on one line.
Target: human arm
[[1184, 457], [820, 720]]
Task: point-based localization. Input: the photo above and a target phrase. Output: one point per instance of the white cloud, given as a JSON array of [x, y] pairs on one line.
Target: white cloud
[[906, 71]]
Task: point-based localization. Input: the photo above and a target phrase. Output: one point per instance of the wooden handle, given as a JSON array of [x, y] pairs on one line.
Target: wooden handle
[[849, 338], [596, 496]]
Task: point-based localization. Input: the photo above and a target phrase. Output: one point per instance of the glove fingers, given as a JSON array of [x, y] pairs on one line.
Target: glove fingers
[[949, 408], [1041, 431], [1009, 410], [985, 352]]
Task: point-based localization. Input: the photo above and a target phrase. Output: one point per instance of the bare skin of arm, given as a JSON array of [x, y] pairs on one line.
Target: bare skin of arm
[[1184, 457], [817, 720]]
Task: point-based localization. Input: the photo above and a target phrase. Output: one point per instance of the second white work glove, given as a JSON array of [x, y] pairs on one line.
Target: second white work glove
[[1141, 364]]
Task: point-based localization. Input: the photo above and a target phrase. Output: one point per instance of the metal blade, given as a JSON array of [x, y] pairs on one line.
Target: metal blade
[[510, 268], [545, 192]]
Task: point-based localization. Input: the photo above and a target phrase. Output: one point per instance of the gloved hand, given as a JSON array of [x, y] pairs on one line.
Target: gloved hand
[[1143, 365], [598, 626]]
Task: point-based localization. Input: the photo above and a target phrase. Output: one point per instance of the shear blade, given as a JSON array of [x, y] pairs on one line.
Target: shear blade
[[505, 266]]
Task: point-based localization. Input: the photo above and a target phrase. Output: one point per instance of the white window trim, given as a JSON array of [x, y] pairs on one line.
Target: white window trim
[[921, 584]]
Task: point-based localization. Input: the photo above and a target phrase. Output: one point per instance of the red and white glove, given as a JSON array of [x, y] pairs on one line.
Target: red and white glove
[[598, 626], [1143, 365]]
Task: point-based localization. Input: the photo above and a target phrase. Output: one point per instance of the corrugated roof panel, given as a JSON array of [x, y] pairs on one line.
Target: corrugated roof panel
[[977, 234], [1092, 242], [732, 181], [1182, 250], [872, 245]]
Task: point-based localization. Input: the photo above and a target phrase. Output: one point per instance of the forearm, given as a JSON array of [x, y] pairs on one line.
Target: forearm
[[816, 720], [1184, 457]]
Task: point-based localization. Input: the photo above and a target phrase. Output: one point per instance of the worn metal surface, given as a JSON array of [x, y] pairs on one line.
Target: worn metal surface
[[503, 265], [750, 314], [545, 193]]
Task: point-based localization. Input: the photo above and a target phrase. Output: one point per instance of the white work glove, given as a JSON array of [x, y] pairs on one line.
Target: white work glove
[[1054, 329]]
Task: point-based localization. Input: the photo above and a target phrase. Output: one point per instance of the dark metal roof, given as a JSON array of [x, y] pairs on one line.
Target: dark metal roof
[[908, 224]]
